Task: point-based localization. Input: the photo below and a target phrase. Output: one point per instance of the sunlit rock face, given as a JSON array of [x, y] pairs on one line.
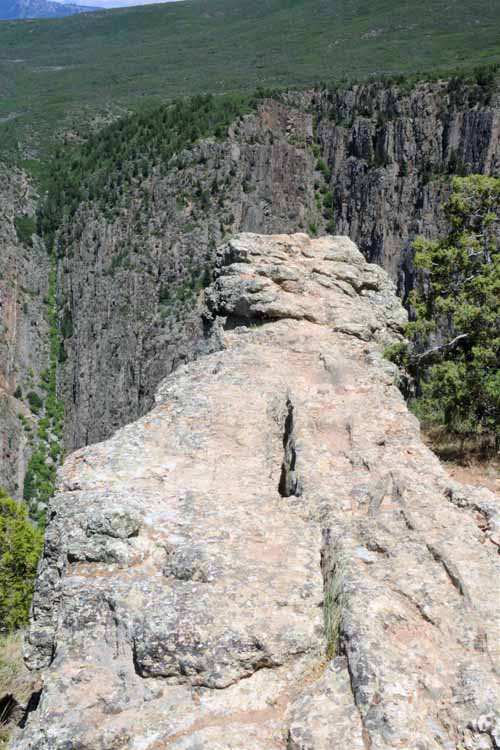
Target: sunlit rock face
[[270, 558]]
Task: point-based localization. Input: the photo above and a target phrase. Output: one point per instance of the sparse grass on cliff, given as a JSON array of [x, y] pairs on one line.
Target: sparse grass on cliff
[[11, 662], [57, 73]]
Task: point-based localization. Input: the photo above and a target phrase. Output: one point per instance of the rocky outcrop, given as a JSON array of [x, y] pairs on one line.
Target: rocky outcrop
[[375, 159], [271, 558], [24, 270]]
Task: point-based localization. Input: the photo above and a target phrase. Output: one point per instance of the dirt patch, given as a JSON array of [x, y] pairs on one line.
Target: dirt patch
[[486, 474], [466, 462], [17, 685]]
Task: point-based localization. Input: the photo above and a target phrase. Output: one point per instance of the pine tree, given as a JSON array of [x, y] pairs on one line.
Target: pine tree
[[460, 375]]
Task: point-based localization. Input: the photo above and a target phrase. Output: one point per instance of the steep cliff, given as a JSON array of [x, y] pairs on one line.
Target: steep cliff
[[391, 155], [24, 272], [130, 273], [374, 161], [271, 558]]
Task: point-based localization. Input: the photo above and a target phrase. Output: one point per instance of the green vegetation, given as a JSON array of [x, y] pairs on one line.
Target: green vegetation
[[25, 229], [323, 196], [34, 401], [58, 74], [122, 155], [20, 548], [322, 167], [458, 376], [40, 478]]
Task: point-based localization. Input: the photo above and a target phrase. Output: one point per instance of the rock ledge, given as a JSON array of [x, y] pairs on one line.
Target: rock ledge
[[271, 558]]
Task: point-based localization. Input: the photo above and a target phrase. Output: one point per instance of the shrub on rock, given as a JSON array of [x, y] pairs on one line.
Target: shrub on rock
[[20, 548]]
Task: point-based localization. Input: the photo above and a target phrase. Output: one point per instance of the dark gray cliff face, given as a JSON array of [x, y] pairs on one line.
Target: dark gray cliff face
[[128, 282], [391, 158], [130, 277], [23, 328]]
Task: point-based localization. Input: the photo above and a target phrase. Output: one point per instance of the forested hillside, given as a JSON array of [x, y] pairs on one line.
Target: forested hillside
[[61, 74]]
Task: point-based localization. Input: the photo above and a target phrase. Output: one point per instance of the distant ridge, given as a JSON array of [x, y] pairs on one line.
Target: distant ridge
[[11, 10], [67, 70]]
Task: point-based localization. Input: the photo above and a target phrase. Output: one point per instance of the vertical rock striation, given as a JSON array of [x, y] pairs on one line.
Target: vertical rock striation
[[271, 558], [130, 272], [128, 280], [392, 153], [24, 270]]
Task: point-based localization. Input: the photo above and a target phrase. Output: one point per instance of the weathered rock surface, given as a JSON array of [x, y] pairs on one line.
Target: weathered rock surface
[[126, 278], [24, 270], [271, 558]]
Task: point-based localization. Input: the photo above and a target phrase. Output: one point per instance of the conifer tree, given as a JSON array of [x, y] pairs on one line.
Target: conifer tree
[[20, 547], [459, 375]]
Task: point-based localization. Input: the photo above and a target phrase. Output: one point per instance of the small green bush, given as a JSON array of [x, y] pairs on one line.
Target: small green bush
[[25, 229], [35, 402], [20, 548], [322, 167]]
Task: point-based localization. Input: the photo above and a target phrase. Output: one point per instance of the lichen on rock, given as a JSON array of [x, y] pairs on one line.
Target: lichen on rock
[[241, 612]]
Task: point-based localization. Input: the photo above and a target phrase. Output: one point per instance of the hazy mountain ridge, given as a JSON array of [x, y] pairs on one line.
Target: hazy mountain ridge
[[11, 10]]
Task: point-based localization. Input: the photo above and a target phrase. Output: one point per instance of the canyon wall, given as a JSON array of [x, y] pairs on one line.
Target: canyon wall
[[392, 154], [373, 162], [24, 273]]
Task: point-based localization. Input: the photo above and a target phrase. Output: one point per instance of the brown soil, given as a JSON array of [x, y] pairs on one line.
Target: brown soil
[[467, 463], [486, 474]]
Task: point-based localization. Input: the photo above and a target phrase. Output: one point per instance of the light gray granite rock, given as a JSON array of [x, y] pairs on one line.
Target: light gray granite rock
[[270, 558]]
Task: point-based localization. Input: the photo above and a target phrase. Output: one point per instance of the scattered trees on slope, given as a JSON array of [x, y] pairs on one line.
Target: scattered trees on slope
[[103, 168]]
